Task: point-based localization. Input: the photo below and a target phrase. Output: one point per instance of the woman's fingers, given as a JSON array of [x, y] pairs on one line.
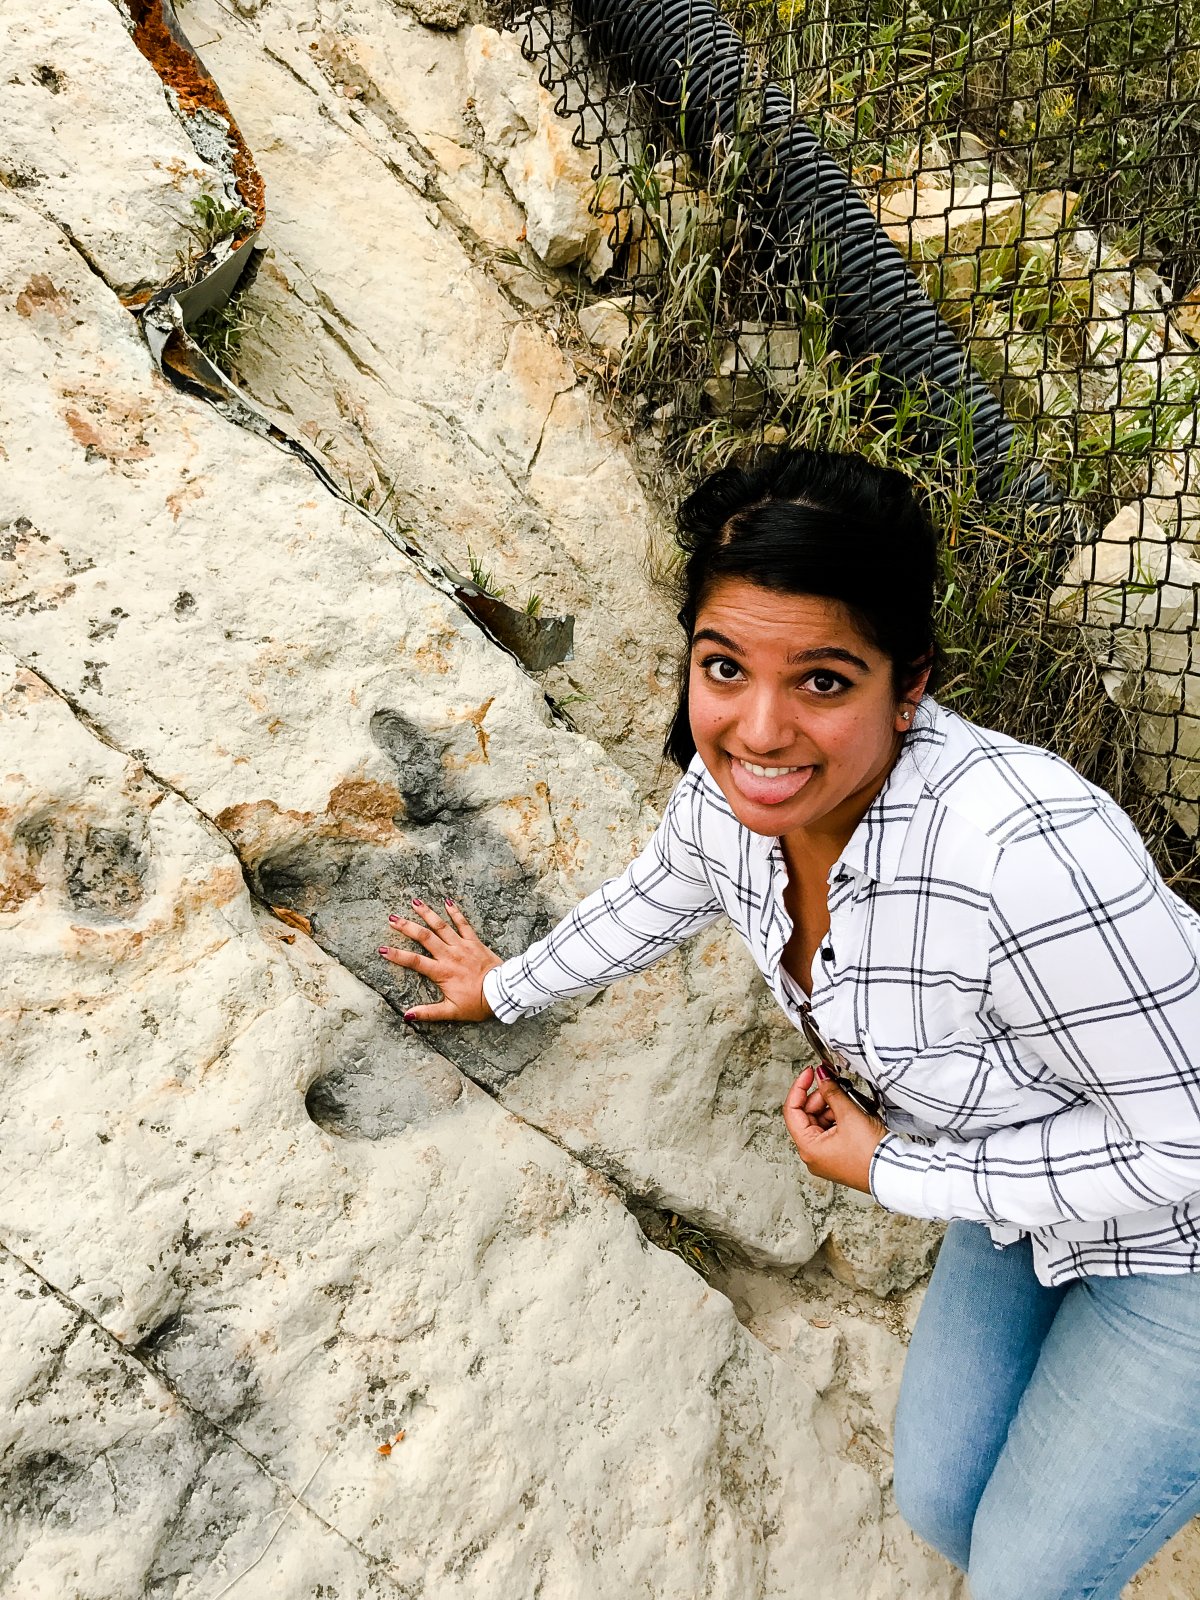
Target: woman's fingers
[[461, 925], [431, 917], [409, 958], [799, 1092], [442, 1011], [416, 931]]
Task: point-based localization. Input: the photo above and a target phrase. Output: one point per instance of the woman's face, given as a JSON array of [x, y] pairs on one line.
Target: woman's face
[[793, 712]]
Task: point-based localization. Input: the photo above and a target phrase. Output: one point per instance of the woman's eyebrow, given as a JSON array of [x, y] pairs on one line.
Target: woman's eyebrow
[[830, 652], [717, 638], [801, 658]]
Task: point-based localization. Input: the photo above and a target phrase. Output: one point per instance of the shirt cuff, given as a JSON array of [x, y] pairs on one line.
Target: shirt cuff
[[496, 991], [897, 1176]]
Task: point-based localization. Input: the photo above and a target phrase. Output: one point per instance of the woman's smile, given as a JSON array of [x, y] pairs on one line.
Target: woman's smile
[[793, 711], [768, 786]]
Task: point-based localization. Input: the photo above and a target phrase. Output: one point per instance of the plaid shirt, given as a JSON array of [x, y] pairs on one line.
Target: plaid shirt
[[1003, 963]]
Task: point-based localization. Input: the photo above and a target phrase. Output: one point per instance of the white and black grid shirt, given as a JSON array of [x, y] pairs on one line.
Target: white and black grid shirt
[[1003, 963]]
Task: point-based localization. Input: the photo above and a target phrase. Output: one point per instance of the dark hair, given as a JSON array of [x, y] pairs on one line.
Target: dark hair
[[813, 522]]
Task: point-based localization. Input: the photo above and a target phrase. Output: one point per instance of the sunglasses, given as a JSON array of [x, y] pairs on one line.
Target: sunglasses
[[835, 1063]]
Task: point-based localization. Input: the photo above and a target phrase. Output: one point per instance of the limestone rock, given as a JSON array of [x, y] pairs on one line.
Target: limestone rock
[[960, 242], [763, 357], [550, 176], [377, 339], [447, 14], [201, 596], [222, 1297], [87, 136], [1136, 595], [609, 324], [869, 1248]]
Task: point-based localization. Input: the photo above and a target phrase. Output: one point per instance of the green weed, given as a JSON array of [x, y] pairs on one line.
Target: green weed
[[214, 221]]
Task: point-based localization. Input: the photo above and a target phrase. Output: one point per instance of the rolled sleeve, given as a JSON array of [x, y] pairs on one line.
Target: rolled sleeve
[[897, 1176]]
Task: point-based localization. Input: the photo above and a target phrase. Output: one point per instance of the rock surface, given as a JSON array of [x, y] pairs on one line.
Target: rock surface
[[266, 653], [401, 326], [88, 138], [231, 1333]]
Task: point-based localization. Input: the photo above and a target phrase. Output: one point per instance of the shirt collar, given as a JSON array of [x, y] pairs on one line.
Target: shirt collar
[[875, 847]]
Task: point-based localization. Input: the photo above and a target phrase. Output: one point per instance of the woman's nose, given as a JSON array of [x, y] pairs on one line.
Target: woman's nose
[[765, 723]]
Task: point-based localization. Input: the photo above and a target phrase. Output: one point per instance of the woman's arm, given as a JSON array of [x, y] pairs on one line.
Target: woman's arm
[[660, 900], [1094, 964]]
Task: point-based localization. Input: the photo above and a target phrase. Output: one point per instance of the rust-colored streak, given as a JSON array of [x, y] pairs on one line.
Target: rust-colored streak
[[366, 809], [294, 919], [358, 809], [475, 718], [40, 294], [18, 885], [158, 36], [84, 432]]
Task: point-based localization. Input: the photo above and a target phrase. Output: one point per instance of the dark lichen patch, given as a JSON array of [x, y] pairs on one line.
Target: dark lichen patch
[[379, 1091], [43, 1486], [105, 874], [202, 1357], [419, 766], [16, 533], [445, 848], [49, 78]]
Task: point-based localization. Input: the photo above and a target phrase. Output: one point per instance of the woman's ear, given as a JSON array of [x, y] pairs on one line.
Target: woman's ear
[[911, 698]]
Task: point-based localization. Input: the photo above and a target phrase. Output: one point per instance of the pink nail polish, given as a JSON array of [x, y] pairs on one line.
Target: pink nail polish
[[410, 1016], [394, 920], [824, 1074], [417, 902], [383, 949], [450, 904]]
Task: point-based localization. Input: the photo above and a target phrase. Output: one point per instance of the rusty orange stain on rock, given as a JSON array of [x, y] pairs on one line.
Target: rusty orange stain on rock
[[254, 824], [40, 294], [357, 808], [86, 433], [109, 423], [475, 718], [193, 489], [370, 807], [196, 91], [17, 884]]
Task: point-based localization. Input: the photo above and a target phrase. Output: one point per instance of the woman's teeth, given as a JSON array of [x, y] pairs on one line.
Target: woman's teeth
[[768, 786]]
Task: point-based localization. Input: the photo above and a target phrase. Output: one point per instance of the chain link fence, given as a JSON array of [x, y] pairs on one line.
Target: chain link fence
[[963, 237]]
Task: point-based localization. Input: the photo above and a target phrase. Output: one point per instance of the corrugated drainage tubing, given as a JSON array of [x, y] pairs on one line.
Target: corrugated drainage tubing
[[696, 70]]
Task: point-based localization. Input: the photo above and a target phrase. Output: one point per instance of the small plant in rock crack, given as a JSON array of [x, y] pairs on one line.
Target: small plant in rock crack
[[671, 1232], [215, 221], [220, 332], [483, 578]]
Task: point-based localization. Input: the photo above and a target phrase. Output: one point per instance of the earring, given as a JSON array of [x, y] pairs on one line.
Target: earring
[[906, 715]]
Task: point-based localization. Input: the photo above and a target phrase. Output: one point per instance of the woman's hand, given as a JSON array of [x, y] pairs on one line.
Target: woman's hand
[[455, 958], [835, 1138]]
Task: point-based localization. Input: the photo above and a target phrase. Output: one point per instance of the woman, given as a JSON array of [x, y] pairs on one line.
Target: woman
[[980, 934]]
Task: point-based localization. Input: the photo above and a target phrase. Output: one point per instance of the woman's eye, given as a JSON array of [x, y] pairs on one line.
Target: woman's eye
[[827, 682], [721, 669]]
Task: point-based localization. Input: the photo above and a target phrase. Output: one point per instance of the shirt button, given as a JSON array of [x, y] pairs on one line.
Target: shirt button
[[827, 952]]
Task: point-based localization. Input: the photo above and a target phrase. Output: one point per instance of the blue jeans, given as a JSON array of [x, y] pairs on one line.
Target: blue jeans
[[1048, 1440]]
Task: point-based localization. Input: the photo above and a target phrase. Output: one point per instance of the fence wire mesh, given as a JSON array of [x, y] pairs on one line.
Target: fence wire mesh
[[964, 237]]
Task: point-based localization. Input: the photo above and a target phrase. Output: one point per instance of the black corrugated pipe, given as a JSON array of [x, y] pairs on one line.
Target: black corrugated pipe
[[695, 69]]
